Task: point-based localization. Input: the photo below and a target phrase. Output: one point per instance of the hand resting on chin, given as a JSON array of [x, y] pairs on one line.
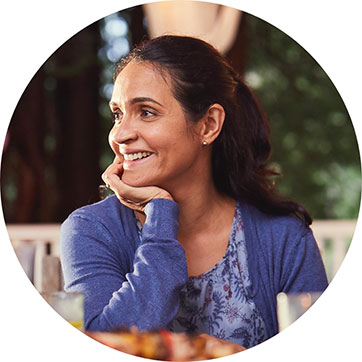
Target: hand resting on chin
[[134, 197]]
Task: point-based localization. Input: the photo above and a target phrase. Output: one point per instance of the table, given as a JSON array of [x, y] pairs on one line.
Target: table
[[165, 345]]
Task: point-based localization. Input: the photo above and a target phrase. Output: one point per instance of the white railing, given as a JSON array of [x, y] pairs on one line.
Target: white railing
[[333, 238], [37, 247], [38, 250], [38, 233]]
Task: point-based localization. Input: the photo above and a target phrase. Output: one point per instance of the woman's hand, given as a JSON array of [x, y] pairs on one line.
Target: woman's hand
[[134, 197]]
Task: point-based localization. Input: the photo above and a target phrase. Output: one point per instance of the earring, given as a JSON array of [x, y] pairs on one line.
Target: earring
[[204, 143]]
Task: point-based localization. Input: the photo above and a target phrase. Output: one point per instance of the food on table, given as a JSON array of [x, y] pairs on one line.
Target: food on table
[[165, 345]]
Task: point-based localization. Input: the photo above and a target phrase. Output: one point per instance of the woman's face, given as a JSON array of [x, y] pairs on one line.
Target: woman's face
[[150, 133]]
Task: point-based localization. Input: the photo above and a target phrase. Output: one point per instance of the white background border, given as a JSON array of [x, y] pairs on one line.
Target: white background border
[[32, 30]]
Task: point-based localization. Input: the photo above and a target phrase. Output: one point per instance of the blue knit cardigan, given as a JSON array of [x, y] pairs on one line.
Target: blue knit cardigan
[[131, 282]]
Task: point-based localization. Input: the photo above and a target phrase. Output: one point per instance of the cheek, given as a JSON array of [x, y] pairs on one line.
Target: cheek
[[157, 138], [111, 142], [172, 134]]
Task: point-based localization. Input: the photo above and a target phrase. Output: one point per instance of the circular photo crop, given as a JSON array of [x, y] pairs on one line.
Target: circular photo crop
[[180, 180]]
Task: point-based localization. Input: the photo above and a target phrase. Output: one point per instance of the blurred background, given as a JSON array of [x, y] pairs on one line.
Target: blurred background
[[56, 146]]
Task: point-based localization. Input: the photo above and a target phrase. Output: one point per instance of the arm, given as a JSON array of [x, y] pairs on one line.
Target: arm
[[303, 269], [116, 295]]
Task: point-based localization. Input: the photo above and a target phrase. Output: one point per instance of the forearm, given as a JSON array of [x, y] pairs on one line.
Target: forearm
[[149, 296], [145, 291], [305, 271]]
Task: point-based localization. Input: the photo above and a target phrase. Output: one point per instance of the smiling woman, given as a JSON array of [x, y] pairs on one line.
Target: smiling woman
[[196, 238], [151, 136]]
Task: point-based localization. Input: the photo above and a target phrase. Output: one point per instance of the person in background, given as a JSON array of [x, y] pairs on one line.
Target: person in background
[[196, 238]]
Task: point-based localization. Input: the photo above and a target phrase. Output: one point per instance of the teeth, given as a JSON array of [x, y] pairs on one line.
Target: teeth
[[135, 156]]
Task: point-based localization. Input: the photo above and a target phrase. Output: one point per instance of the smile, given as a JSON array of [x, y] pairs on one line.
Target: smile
[[136, 156]]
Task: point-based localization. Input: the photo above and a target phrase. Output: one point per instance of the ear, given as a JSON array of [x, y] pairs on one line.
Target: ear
[[211, 123]]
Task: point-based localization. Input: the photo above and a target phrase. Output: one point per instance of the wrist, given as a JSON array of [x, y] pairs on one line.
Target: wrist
[[164, 195], [161, 218]]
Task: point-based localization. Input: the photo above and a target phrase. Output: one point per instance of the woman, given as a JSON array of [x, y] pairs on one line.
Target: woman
[[196, 237]]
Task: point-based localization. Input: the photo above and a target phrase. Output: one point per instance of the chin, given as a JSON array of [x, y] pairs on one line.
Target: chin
[[135, 181]]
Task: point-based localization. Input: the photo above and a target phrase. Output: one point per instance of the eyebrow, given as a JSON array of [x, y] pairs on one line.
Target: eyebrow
[[139, 100]]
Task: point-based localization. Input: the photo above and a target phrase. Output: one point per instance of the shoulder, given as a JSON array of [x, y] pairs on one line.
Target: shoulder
[[104, 212], [106, 219], [101, 209], [104, 228], [273, 231], [271, 222]]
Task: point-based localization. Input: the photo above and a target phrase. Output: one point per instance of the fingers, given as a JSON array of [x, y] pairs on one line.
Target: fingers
[[112, 178], [114, 169], [133, 197], [118, 159]]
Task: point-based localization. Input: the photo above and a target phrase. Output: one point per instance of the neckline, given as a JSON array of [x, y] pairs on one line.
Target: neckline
[[207, 273]]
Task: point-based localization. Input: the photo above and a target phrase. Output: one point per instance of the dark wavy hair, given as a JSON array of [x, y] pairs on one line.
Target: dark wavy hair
[[200, 77]]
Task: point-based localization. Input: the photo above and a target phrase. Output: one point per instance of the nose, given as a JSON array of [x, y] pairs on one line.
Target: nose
[[123, 133]]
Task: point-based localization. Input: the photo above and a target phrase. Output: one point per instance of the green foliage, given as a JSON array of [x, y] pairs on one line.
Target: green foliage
[[314, 144]]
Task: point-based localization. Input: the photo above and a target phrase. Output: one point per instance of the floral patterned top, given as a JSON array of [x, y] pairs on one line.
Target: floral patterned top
[[217, 303]]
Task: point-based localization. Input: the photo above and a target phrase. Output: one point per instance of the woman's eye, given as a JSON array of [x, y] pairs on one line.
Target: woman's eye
[[145, 113], [117, 117]]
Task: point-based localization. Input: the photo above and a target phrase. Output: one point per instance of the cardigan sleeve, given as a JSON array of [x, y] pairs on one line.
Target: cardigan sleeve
[[282, 257], [116, 295], [302, 267]]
